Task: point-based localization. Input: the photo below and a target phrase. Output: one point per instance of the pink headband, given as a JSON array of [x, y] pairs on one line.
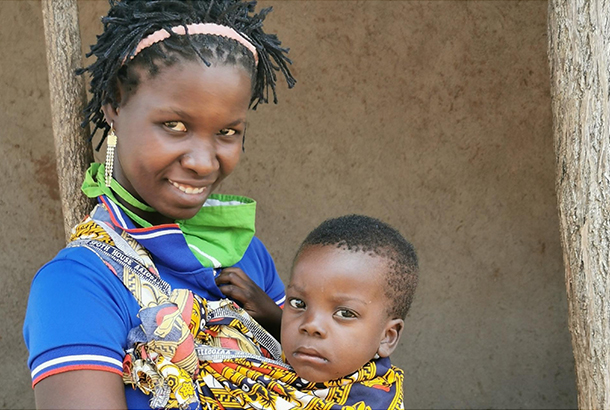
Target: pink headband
[[199, 28]]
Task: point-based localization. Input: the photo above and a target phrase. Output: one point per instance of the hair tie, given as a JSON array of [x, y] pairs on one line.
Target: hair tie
[[198, 28]]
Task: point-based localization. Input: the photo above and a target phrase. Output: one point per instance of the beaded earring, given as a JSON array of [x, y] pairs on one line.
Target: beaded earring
[[112, 140]]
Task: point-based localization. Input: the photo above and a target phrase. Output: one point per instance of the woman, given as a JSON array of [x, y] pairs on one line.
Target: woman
[[171, 87]]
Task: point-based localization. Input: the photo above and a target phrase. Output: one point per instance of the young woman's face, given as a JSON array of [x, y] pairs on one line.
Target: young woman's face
[[179, 135], [335, 317]]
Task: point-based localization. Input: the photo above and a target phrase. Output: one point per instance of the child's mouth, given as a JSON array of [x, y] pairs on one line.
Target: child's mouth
[[309, 355]]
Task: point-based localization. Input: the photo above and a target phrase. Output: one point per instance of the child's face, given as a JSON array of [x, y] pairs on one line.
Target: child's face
[[335, 318], [179, 135]]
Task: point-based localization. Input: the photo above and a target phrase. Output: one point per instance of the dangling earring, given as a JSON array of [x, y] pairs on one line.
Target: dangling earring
[[112, 139]]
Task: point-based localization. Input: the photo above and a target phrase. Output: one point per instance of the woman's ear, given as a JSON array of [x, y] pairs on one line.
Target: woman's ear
[[110, 113], [111, 109], [391, 336]]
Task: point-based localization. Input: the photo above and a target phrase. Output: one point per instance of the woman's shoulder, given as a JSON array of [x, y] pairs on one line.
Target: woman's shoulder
[[76, 254], [72, 263], [76, 273]]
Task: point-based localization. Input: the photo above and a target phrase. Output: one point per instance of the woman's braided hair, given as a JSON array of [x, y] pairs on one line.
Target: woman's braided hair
[[129, 21]]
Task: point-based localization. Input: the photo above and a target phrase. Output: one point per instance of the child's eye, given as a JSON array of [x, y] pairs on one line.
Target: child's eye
[[346, 314], [297, 303], [175, 126], [227, 132]]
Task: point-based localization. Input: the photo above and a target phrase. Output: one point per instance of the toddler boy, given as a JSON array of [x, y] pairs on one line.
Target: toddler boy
[[352, 283]]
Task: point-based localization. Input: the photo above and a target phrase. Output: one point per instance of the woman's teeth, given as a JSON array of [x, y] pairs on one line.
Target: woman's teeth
[[187, 189]]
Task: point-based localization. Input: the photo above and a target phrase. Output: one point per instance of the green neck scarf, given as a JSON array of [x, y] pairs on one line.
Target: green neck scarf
[[218, 235]]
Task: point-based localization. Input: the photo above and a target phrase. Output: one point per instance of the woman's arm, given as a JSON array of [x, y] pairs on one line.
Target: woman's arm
[[81, 389]]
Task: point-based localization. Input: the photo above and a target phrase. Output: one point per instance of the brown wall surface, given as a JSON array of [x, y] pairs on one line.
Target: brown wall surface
[[431, 115]]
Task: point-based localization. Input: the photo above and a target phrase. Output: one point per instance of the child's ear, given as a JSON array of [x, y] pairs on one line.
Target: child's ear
[[391, 336]]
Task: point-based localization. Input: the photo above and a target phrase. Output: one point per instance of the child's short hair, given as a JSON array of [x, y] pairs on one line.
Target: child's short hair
[[359, 233]]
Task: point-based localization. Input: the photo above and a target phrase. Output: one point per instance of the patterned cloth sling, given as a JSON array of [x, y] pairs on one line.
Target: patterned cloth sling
[[193, 353]]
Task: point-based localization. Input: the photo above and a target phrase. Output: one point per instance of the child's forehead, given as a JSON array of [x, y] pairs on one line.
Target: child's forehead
[[337, 260], [325, 252], [335, 276]]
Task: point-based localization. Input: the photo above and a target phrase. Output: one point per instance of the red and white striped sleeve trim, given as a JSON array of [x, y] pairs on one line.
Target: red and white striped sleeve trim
[[70, 358]]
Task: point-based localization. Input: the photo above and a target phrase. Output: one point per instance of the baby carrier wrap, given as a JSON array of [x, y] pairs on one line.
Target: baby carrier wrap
[[192, 353]]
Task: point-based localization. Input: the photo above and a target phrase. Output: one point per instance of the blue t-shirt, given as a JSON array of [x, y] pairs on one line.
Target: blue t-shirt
[[79, 313]]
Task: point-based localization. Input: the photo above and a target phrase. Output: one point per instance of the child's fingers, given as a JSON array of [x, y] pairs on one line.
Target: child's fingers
[[236, 285], [234, 292], [233, 276]]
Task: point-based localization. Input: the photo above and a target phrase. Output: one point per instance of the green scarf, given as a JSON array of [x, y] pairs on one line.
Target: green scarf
[[218, 235]]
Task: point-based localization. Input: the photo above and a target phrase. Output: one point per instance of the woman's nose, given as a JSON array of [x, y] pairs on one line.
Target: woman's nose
[[201, 156], [313, 325]]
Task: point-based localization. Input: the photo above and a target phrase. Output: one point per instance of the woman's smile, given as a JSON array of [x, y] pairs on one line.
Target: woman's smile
[[188, 189], [187, 195]]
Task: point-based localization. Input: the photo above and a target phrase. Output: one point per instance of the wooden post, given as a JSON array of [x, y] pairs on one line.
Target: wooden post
[[68, 98], [579, 57]]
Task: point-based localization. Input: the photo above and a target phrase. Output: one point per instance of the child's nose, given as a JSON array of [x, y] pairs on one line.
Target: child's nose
[[201, 157], [313, 325]]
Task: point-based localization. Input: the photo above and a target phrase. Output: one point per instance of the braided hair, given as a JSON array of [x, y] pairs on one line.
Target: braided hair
[[359, 233], [129, 21]]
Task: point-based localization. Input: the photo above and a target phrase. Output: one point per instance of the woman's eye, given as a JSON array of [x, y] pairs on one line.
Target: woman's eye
[[175, 126], [228, 132], [297, 303], [346, 314]]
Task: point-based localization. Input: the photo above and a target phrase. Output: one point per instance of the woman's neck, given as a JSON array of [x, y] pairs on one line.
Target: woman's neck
[[154, 217]]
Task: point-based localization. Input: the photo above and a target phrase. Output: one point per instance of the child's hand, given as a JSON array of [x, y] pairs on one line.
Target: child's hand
[[235, 284]]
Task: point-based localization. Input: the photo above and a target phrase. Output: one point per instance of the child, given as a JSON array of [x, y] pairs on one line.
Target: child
[[352, 283], [171, 87]]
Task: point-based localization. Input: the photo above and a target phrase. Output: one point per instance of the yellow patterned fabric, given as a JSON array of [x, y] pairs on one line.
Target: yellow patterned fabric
[[88, 229], [243, 383], [253, 379]]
